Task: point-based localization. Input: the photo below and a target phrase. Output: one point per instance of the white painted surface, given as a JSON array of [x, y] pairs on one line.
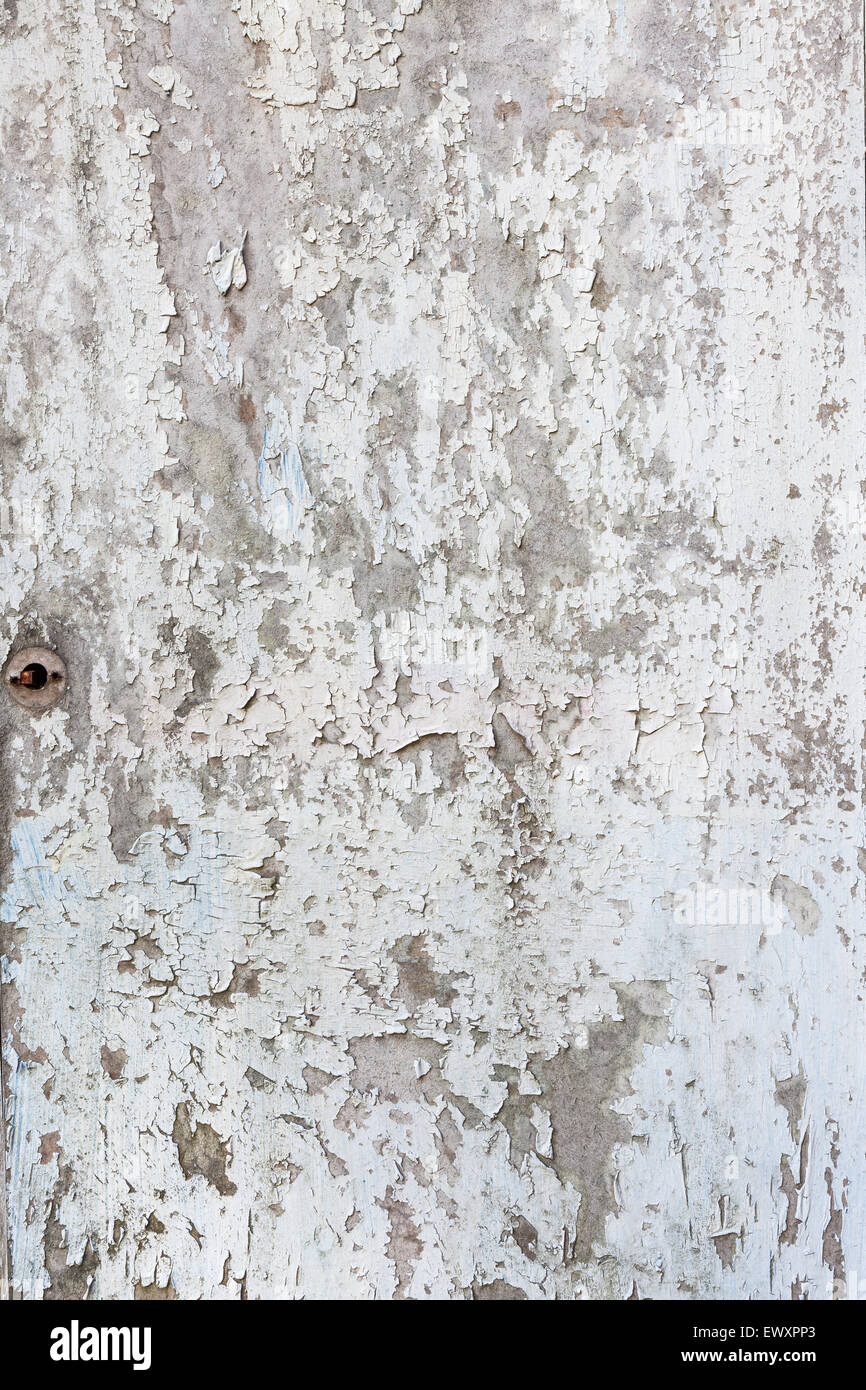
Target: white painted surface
[[441, 879]]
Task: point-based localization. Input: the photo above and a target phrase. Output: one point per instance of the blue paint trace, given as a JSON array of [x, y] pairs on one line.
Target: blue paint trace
[[283, 486]]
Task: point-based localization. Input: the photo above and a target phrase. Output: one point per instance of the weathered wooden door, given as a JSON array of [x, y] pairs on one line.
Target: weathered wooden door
[[432, 440]]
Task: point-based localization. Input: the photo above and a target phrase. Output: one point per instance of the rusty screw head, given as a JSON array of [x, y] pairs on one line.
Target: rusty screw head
[[35, 678]]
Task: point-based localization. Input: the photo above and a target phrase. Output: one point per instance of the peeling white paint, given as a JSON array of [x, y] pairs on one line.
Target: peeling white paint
[[227, 267], [445, 875]]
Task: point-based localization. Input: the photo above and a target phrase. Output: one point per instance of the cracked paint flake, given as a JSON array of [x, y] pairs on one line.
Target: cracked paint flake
[[444, 877], [226, 267]]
